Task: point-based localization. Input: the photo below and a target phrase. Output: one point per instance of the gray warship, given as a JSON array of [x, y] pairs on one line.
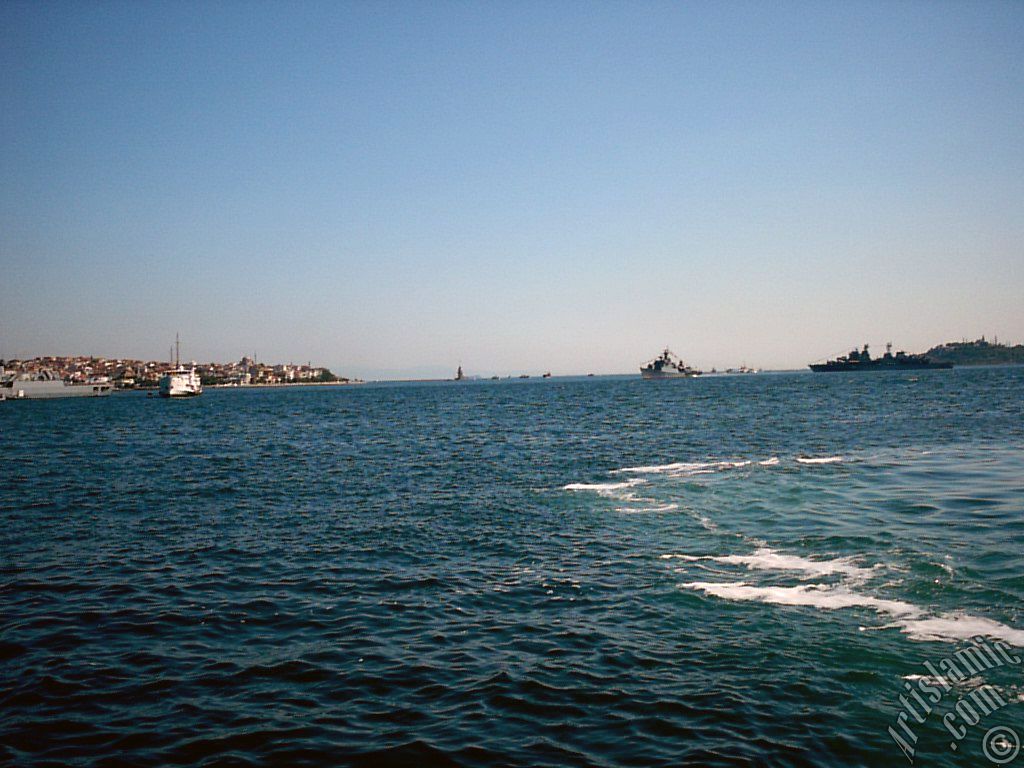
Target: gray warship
[[862, 361], [46, 384], [667, 366]]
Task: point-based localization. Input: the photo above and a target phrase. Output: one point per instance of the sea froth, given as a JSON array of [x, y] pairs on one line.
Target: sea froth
[[914, 621]]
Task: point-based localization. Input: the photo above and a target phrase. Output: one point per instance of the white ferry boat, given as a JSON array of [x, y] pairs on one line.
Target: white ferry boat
[[180, 381]]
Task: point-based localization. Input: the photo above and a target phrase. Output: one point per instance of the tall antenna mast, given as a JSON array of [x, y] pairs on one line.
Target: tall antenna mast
[[177, 351]]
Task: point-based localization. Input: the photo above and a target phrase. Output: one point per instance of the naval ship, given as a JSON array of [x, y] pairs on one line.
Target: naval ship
[[47, 384], [667, 366], [862, 361]]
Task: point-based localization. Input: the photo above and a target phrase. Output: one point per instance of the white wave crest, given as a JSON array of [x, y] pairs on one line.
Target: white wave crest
[[912, 620], [819, 459], [683, 467], [961, 626], [656, 508], [767, 559], [599, 487], [824, 596]]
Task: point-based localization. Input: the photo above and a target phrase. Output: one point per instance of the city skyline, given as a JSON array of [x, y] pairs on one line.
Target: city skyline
[[394, 190]]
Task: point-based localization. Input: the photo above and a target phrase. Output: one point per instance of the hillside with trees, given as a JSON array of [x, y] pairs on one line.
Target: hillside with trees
[[979, 352]]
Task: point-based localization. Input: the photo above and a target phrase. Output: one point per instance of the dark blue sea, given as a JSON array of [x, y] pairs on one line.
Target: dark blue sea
[[762, 570]]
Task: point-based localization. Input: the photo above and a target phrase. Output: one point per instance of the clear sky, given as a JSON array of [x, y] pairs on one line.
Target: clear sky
[[394, 188]]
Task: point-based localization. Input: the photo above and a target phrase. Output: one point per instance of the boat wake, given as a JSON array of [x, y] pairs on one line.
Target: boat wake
[[766, 558], [688, 468], [623, 490], [914, 621], [827, 584], [683, 468]]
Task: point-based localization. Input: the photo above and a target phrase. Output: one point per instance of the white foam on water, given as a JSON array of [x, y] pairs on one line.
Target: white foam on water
[[912, 620], [684, 468], [946, 682], [825, 596], [675, 467], [767, 559], [687, 468], [600, 487], [656, 508], [691, 468], [932, 679], [961, 626]]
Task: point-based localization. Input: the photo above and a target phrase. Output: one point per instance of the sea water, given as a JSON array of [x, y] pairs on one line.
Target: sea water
[[747, 570]]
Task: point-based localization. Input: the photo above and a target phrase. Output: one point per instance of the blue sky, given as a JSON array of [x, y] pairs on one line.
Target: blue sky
[[394, 188]]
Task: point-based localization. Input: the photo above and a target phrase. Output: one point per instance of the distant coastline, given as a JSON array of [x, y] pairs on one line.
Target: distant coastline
[[978, 352], [125, 373], [129, 374], [288, 384]]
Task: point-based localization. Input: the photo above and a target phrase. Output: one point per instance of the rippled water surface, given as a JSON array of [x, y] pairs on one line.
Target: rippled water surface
[[720, 571]]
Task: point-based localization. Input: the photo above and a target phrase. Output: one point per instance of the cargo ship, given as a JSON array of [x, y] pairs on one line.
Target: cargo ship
[[862, 361]]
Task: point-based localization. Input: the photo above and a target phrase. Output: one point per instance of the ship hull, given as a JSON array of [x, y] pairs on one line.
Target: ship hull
[[647, 374], [178, 393], [836, 367], [51, 390]]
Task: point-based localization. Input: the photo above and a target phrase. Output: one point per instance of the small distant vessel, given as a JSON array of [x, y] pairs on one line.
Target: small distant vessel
[[47, 384], [743, 369], [460, 375], [180, 381], [862, 361], [667, 366], [547, 375]]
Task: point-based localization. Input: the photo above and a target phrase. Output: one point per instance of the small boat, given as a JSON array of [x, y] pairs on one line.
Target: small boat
[[547, 375], [667, 366], [742, 369], [180, 381]]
